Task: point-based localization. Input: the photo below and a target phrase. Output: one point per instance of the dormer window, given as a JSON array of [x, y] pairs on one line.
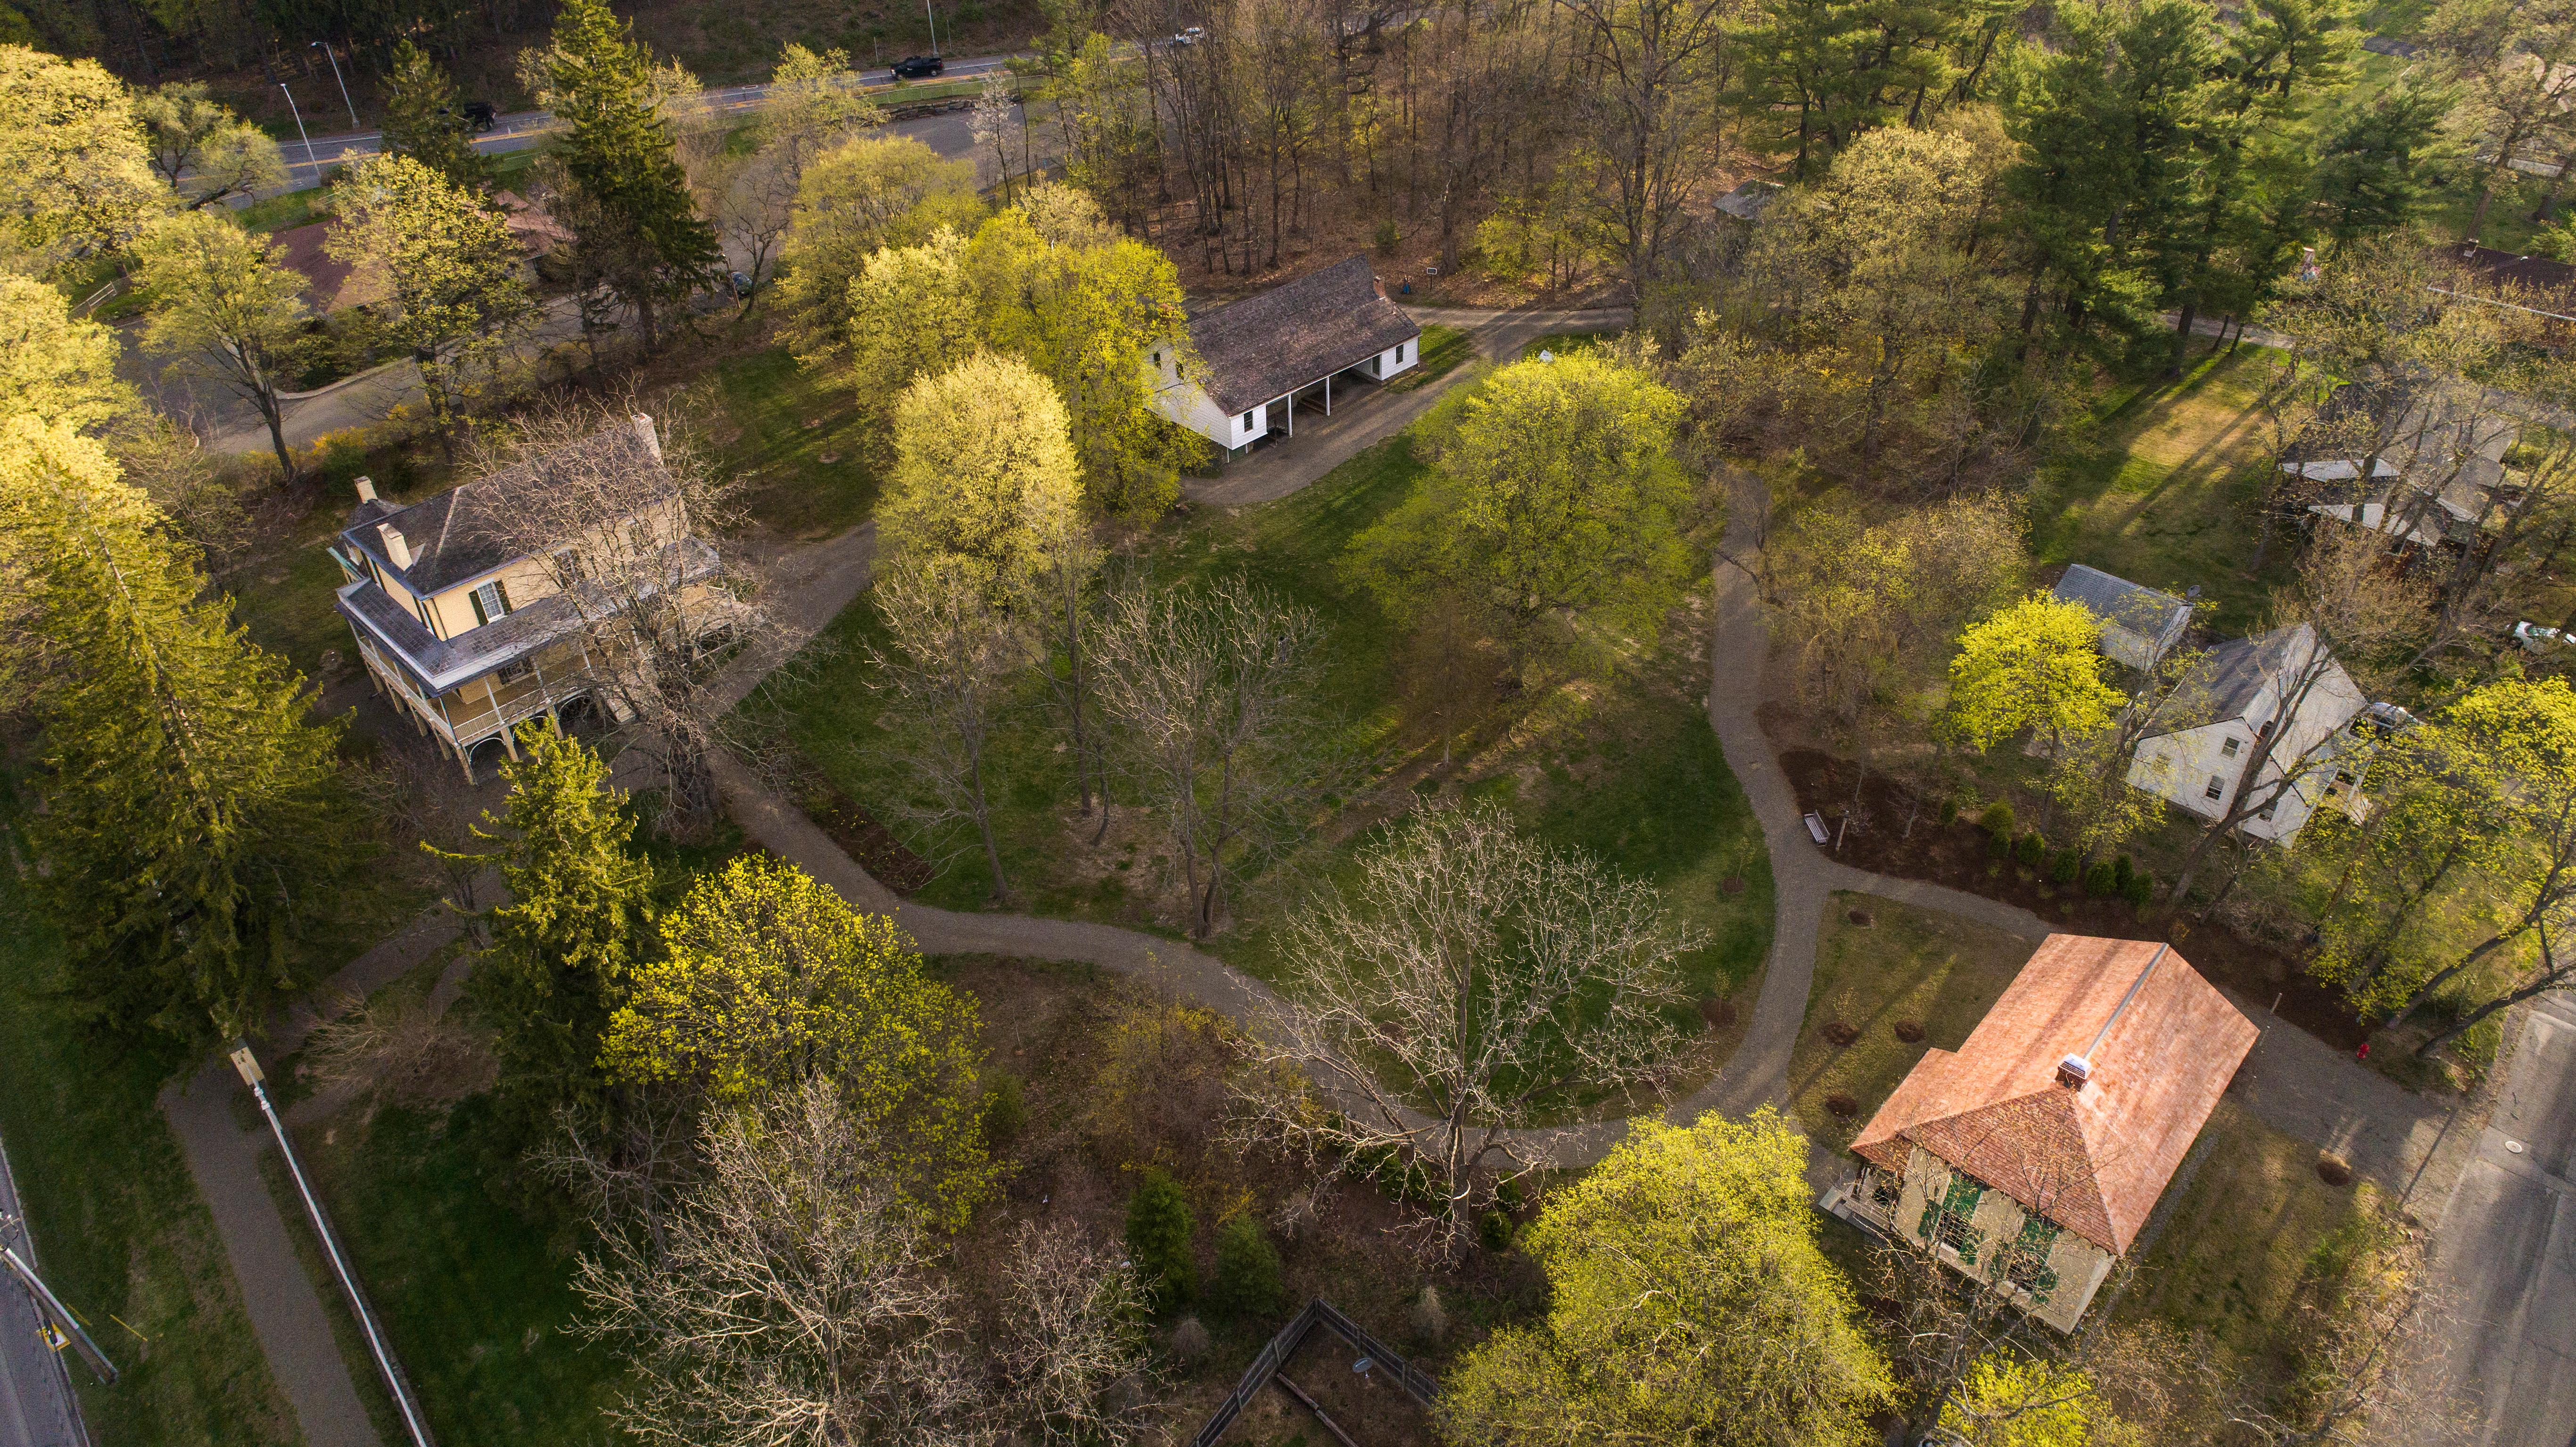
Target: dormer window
[[491, 603]]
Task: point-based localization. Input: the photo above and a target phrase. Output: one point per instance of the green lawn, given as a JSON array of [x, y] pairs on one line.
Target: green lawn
[[1443, 349], [1907, 964], [768, 399], [119, 1229], [2240, 1238], [1626, 767], [475, 1297], [286, 604], [2167, 490]]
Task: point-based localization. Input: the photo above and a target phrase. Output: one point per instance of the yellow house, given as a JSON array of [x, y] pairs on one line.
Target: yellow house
[[471, 628]]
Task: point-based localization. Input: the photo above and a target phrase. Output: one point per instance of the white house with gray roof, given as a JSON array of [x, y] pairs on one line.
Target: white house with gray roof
[[2286, 683], [468, 633], [2139, 625], [1249, 362]]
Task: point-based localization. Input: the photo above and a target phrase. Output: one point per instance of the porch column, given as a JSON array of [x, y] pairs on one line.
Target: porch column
[[464, 760], [1328, 396], [509, 745], [1292, 414]]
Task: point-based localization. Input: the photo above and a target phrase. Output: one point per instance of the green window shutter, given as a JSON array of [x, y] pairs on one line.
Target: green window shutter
[[501, 591], [2031, 1271], [475, 597], [1950, 1219]]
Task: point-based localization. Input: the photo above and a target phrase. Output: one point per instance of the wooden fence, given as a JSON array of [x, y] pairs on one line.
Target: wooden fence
[[1416, 1383]]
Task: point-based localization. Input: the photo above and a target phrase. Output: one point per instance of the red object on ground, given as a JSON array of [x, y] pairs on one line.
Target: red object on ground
[[2363, 1053]]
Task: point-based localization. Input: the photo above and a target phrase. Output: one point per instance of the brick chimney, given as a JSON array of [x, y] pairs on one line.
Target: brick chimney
[[366, 489], [652, 440], [395, 548], [1379, 282]]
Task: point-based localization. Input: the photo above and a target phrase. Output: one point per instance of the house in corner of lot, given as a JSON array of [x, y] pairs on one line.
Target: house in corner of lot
[[1254, 358], [2285, 681], [2139, 625], [469, 633], [2030, 1158]]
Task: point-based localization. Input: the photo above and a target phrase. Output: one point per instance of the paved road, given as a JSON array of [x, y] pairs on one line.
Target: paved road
[[37, 1408], [2505, 1247], [306, 160]]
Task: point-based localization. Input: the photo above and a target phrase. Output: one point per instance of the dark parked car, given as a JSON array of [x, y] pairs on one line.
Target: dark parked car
[[914, 67], [478, 114]]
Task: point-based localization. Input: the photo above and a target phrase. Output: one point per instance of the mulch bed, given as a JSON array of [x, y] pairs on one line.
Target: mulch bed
[[1956, 855], [870, 843]]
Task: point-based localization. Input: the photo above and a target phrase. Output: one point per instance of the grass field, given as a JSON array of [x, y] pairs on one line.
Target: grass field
[[788, 486], [2240, 1237], [2166, 493], [119, 1229], [1626, 766], [1906, 964], [1443, 349], [475, 1297]]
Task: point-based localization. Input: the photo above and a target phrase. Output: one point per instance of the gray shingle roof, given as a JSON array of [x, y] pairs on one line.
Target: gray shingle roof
[[2142, 611], [2236, 671], [462, 533], [1295, 333], [440, 664]]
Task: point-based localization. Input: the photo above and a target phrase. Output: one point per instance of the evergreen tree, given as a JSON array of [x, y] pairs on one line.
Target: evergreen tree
[[423, 119], [644, 234], [194, 821], [578, 904], [1159, 1231], [1247, 1269]]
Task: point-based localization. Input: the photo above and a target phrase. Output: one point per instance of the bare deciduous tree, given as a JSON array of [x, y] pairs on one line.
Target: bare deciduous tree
[[1213, 693], [786, 1297], [789, 1298], [615, 512], [1472, 977], [949, 672]]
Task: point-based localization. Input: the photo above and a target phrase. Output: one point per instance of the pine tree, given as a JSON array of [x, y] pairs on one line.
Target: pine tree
[[423, 119], [1159, 1230], [194, 823], [644, 234], [578, 904]]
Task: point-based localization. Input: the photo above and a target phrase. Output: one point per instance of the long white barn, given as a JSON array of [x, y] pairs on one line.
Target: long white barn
[[1250, 362]]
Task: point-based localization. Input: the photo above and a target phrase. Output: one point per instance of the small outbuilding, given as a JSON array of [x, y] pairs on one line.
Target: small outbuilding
[[2030, 1158], [2139, 624], [1249, 362]]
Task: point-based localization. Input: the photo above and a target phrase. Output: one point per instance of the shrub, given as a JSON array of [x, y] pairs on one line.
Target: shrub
[[1005, 1113], [2102, 880], [2141, 891], [1997, 821], [1496, 1230], [1159, 1228], [2065, 867], [1839, 1033], [1949, 812], [1247, 1269], [1387, 237], [2122, 871], [1430, 1318], [2032, 849], [1910, 1031]]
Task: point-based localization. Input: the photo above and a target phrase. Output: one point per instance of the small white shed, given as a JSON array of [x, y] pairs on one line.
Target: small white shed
[[2139, 625]]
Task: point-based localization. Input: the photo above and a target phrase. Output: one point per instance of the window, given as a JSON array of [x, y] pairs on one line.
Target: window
[[1243, 423], [2265, 813], [1180, 371], [1946, 1222], [2025, 1264], [2228, 749], [513, 672], [1158, 359], [2217, 786], [428, 619], [491, 603], [1404, 351], [1881, 1190]]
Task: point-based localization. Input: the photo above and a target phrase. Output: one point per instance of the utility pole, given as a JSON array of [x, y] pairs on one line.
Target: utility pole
[[325, 47], [933, 18], [395, 1382], [299, 130], [54, 1310]]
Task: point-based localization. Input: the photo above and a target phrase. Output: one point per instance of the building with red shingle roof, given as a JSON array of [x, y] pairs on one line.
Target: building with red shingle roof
[[2031, 1156]]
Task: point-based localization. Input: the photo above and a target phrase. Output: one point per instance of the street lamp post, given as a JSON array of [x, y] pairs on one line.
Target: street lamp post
[[299, 126], [325, 47]]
